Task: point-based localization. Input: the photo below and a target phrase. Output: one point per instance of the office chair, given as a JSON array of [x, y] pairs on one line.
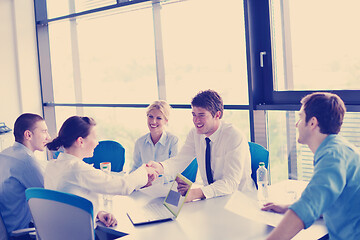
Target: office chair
[[258, 154], [16, 234], [58, 215], [191, 171], [55, 154], [108, 151]]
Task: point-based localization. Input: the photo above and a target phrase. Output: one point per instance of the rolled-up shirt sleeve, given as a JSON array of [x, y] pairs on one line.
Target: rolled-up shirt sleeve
[[98, 181], [323, 189]]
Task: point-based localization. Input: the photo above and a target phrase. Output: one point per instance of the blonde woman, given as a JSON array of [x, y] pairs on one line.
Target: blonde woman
[[157, 145]]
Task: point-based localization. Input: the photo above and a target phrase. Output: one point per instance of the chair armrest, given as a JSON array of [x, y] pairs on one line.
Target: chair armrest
[[21, 232]]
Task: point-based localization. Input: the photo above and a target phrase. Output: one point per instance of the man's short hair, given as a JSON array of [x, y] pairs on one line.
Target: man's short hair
[[209, 100], [25, 122], [328, 108]]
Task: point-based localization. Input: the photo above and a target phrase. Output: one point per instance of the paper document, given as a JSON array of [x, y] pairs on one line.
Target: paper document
[[248, 207]]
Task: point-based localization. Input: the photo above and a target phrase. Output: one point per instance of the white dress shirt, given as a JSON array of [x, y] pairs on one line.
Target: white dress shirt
[[70, 174], [230, 160]]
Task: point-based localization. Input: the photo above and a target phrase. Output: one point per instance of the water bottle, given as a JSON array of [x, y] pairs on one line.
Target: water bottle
[[262, 182], [106, 167]]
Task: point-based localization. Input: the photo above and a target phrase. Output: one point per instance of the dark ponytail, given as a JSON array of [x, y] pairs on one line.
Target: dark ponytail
[[55, 144], [73, 128]]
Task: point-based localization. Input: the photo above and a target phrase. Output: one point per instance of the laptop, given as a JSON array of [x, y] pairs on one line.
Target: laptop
[[107, 233], [168, 210]]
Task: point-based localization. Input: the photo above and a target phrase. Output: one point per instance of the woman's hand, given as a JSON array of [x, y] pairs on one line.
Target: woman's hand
[[107, 218]]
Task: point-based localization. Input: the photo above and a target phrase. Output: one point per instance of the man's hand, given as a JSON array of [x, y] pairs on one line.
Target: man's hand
[[157, 166], [152, 175], [195, 194], [275, 207], [182, 187], [107, 218]]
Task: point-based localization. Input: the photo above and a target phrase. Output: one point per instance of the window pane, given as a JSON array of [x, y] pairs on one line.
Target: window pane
[[58, 8], [315, 45], [240, 119], [117, 61], [286, 152], [113, 63], [204, 48], [278, 150], [61, 62]]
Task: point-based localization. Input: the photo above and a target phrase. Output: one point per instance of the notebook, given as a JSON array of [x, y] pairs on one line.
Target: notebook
[[168, 210]]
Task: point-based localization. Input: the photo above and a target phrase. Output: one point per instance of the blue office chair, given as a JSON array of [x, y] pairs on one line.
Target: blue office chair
[[191, 171], [108, 151], [28, 233], [55, 154], [258, 154], [58, 215]]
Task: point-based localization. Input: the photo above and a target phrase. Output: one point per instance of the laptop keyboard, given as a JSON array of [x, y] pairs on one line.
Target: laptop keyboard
[[156, 211]]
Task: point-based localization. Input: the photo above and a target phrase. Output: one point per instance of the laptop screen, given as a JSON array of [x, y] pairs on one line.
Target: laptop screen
[[177, 194]]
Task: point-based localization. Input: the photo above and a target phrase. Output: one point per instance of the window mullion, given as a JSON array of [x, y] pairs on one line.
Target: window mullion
[[160, 66]]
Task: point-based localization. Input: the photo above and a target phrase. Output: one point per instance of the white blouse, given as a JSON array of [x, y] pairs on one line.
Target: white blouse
[[70, 174]]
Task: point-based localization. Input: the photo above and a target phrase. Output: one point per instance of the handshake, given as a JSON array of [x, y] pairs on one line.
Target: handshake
[[154, 170]]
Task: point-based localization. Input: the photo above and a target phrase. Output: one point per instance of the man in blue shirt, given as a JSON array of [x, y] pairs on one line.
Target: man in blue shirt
[[19, 170], [334, 189]]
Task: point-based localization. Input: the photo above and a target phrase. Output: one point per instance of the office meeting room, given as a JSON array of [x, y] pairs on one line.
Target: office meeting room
[[179, 119]]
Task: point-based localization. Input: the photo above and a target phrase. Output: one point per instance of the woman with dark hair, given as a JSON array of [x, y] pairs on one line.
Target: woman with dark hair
[[69, 173]]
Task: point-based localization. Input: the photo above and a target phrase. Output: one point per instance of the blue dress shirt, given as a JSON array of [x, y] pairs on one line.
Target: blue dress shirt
[[334, 189], [18, 171], [145, 150]]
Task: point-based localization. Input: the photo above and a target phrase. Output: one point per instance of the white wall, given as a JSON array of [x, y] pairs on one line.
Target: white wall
[[19, 77]]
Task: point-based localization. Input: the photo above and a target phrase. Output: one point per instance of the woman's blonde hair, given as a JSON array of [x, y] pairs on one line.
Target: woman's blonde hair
[[162, 106]]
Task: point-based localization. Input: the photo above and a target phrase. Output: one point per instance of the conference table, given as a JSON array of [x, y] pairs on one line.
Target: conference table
[[217, 218]]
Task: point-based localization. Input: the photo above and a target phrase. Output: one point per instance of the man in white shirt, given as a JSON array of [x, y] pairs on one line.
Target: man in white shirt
[[225, 165]]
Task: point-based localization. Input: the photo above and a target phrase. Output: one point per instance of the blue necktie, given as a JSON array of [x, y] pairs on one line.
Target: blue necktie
[[207, 162]]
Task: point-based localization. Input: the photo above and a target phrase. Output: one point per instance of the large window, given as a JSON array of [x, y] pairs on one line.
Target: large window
[[315, 45], [109, 59]]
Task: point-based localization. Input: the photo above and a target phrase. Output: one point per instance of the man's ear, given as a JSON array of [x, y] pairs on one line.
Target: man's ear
[[27, 134], [313, 122], [217, 115]]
